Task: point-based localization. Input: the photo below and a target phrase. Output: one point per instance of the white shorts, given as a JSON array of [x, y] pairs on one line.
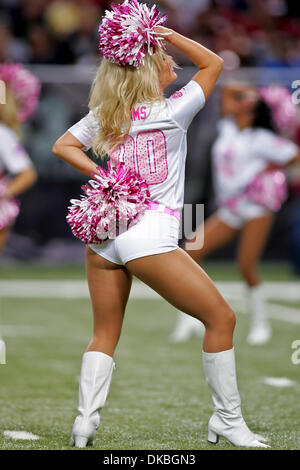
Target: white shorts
[[156, 233], [245, 211]]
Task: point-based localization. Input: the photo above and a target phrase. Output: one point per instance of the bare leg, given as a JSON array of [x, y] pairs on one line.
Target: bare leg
[[181, 281], [4, 233], [253, 239], [216, 234], [252, 242], [109, 286]]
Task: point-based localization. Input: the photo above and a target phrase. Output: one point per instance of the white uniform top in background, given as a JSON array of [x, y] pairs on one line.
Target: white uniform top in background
[[239, 155], [156, 146], [13, 157]]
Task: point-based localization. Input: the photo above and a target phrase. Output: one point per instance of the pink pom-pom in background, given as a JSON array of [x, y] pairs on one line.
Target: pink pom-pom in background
[[25, 86], [268, 189], [284, 113], [127, 32], [115, 199], [9, 208]]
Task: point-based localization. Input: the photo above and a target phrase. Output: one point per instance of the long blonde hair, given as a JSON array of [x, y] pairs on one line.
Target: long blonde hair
[[116, 90], [9, 112]]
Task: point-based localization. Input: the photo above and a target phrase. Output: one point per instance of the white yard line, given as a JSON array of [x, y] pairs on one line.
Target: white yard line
[[78, 289], [22, 330], [234, 292], [22, 435], [283, 313]]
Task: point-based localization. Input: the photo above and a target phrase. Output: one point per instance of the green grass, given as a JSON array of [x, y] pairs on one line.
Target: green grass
[[219, 271], [159, 398], [287, 303]]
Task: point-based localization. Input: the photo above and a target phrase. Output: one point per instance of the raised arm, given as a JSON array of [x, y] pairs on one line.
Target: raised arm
[[209, 64]]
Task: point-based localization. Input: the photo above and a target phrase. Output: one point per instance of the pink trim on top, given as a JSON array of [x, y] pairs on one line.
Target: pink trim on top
[[155, 206]]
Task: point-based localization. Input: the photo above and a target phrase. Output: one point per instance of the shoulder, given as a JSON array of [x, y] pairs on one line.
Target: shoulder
[[91, 119], [185, 103], [191, 88]]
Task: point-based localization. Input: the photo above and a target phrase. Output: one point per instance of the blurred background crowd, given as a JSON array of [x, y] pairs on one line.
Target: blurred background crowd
[[255, 32], [58, 40]]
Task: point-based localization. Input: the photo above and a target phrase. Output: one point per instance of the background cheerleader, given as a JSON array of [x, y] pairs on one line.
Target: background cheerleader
[[17, 173], [247, 157]]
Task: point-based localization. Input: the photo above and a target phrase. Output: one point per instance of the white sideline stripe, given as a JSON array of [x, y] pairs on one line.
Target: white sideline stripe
[[65, 289], [234, 292], [21, 435], [276, 312], [76, 289], [283, 313], [21, 330]]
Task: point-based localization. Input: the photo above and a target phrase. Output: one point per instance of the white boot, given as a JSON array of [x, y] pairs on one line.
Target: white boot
[[260, 329], [95, 378], [2, 351], [227, 419], [185, 328]]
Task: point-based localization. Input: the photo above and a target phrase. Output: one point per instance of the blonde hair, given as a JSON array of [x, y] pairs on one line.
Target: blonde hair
[[9, 112], [116, 90]]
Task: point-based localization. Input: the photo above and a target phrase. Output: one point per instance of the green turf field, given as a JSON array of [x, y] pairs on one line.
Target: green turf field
[[158, 399], [219, 271]]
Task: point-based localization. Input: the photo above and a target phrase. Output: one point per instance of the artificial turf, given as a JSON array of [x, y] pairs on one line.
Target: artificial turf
[[158, 399]]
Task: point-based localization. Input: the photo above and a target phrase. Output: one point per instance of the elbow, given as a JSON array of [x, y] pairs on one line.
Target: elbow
[[30, 176], [27, 178], [55, 149], [217, 67], [219, 64]]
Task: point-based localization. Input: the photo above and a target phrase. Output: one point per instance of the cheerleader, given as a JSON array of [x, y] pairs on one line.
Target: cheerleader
[[250, 187], [131, 120], [17, 174]]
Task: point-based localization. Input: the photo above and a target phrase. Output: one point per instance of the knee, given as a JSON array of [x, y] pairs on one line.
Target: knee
[[229, 319], [222, 319], [226, 320]]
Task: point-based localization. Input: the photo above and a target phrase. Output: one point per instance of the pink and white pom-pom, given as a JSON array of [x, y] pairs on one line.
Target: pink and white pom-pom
[[9, 208], [25, 86], [127, 33], [284, 113], [268, 189], [115, 199]]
